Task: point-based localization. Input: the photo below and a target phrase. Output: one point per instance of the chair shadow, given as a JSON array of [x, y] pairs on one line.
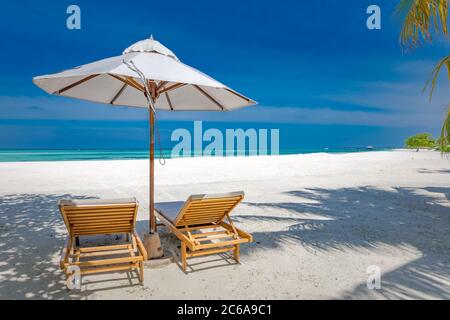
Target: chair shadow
[[223, 259]]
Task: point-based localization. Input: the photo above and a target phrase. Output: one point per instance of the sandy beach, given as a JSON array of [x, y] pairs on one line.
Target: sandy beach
[[318, 221]]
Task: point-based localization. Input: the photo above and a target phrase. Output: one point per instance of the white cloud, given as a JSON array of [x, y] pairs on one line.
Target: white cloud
[[59, 108]]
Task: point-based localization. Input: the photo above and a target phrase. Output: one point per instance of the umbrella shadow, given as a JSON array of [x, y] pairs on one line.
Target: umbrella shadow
[[368, 218], [32, 235], [425, 170]]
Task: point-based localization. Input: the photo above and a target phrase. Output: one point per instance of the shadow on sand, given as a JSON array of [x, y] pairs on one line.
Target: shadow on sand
[[32, 234], [365, 219]]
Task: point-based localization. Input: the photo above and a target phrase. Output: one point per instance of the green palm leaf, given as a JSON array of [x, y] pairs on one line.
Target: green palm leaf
[[444, 139], [421, 17], [431, 82]]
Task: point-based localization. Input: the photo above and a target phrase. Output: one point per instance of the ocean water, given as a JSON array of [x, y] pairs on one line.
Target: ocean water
[[74, 155]]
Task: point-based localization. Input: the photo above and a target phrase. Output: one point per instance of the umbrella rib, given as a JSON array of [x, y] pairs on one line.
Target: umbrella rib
[[168, 100], [118, 93], [209, 97], [70, 86], [161, 85], [128, 82], [172, 87], [239, 95], [141, 87]]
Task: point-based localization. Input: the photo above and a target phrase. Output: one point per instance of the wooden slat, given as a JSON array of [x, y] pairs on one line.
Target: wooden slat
[[212, 205], [94, 209], [100, 213], [205, 227], [203, 210], [212, 237], [103, 262], [101, 226], [101, 220], [94, 232], [210, 210], [129, 266], [204, 234], [210, 251], [119, 214], [103, 248], [206, 218], [199, 221], [221, 244], [105, 253], [205, 214], [218, 200]]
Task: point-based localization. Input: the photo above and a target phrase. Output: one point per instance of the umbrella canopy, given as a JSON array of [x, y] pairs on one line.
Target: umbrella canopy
[[177, 86], [146, 75]]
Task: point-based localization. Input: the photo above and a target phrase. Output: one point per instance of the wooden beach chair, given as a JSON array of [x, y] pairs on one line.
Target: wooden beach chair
[[97, 217], [203, 224]]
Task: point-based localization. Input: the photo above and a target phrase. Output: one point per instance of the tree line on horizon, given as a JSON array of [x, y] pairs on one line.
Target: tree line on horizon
[[425, 141]]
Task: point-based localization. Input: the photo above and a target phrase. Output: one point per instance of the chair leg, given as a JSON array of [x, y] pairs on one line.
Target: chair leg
[[236, 252], [183, 255], [141, 272]]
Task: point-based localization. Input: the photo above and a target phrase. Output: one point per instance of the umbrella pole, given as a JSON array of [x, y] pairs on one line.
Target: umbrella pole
[[152, 243], [152, 220]]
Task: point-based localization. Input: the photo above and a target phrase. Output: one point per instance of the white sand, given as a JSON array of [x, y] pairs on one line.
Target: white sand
[[318, 221]]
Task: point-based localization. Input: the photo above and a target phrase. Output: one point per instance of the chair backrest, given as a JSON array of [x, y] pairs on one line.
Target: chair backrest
[[91, 217], [206, 209]]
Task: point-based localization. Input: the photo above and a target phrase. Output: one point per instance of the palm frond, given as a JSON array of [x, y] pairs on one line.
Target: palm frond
[[421, 17], [444, 139], [431, 82]]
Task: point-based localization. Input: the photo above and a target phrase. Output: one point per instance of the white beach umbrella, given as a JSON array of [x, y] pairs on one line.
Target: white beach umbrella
[[146, 75], [174, 85]]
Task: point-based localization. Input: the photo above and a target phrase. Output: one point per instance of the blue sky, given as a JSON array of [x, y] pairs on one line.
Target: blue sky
[[317, 72]]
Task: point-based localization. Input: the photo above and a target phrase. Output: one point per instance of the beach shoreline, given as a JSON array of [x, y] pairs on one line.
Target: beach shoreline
[[319, 220], [51, 155]]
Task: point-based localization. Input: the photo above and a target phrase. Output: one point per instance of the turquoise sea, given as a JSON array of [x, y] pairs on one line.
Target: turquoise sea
[[73, 155]]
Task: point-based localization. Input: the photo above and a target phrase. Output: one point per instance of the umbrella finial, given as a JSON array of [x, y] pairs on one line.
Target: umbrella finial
[[151, 37]]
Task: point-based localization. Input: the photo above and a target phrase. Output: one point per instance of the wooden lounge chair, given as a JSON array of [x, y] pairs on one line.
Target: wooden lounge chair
[[200, 224], [96, 217]]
